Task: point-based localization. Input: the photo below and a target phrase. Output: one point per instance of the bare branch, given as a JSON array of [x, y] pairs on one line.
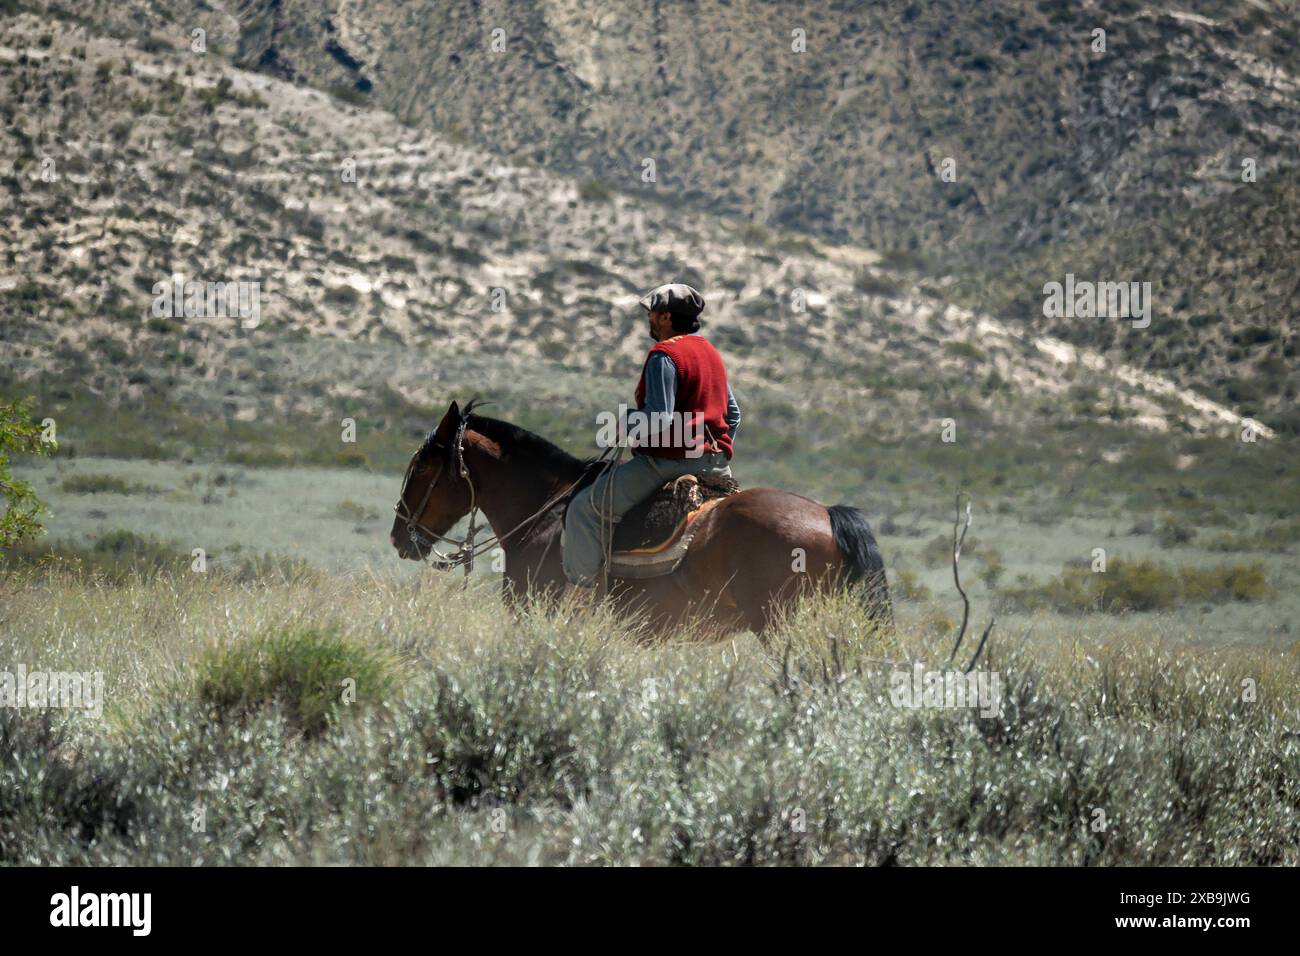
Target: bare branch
[[957, 542], [786, 687], [958, 539], [983, 639]]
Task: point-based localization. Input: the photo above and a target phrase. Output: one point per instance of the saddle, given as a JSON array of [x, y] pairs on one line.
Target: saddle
[[652, 539]]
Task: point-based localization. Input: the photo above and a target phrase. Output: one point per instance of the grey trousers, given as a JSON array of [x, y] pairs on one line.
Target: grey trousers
[[632, 482]]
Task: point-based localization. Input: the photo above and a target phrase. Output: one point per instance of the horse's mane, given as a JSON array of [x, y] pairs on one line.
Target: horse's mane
[[532, 447]]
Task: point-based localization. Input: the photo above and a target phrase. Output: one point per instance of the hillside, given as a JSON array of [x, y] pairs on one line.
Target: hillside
[[1052, 139], [1225, 285], [1063, 155], [432, 265]]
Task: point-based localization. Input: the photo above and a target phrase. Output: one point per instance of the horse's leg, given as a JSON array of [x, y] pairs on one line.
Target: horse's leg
[[532, 571]]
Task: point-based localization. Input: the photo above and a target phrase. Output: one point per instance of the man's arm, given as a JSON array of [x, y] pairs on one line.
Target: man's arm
[[660, 384], [733, 414], [660, 396]]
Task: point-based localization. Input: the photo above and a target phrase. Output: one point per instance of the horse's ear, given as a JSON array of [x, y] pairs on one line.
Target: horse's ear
[[450, 422]]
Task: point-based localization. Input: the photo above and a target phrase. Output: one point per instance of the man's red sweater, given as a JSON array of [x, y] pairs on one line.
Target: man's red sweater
[[701, 389]]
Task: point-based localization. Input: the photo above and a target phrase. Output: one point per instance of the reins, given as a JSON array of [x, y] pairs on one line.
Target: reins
[[466, 549]]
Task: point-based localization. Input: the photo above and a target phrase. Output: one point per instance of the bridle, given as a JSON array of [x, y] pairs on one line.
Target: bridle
[[466, 549], [423, 537]]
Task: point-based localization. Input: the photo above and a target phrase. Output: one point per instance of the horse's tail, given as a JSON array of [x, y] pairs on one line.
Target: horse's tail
[[863, 568]]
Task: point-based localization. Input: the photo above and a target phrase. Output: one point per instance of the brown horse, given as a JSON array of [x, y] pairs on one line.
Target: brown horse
[[752, 553]]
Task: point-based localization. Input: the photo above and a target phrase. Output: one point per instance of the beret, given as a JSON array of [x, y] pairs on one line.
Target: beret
[[675, 297]]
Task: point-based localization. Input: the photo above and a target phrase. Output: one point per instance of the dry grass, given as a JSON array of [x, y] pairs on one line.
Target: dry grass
[[556, 739]]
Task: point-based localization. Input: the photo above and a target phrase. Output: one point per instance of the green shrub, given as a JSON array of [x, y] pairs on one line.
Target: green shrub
[[1174, 533], [906, 586], [871, 283], [351, 458], [101, 484], [302, 670], [964, 350], [120, 557], [593, 190], [343, 295], [993, 569], [938, 551], [350, 510], [349, 94], [1233, 582], [20, 509]]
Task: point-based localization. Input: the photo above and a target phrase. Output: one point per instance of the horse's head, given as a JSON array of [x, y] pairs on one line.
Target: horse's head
[[435, 494]]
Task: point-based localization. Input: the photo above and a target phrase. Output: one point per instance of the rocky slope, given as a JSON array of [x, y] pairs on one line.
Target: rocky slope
[[840, 119], [129, 164], [833, 118]]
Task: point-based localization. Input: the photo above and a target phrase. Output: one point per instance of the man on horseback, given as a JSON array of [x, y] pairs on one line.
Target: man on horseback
[[686, 415]]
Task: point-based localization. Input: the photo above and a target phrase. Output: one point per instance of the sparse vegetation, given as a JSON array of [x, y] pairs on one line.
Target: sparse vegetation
[[1141, 586], [550, 722], [104, 484], [236, 613]]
